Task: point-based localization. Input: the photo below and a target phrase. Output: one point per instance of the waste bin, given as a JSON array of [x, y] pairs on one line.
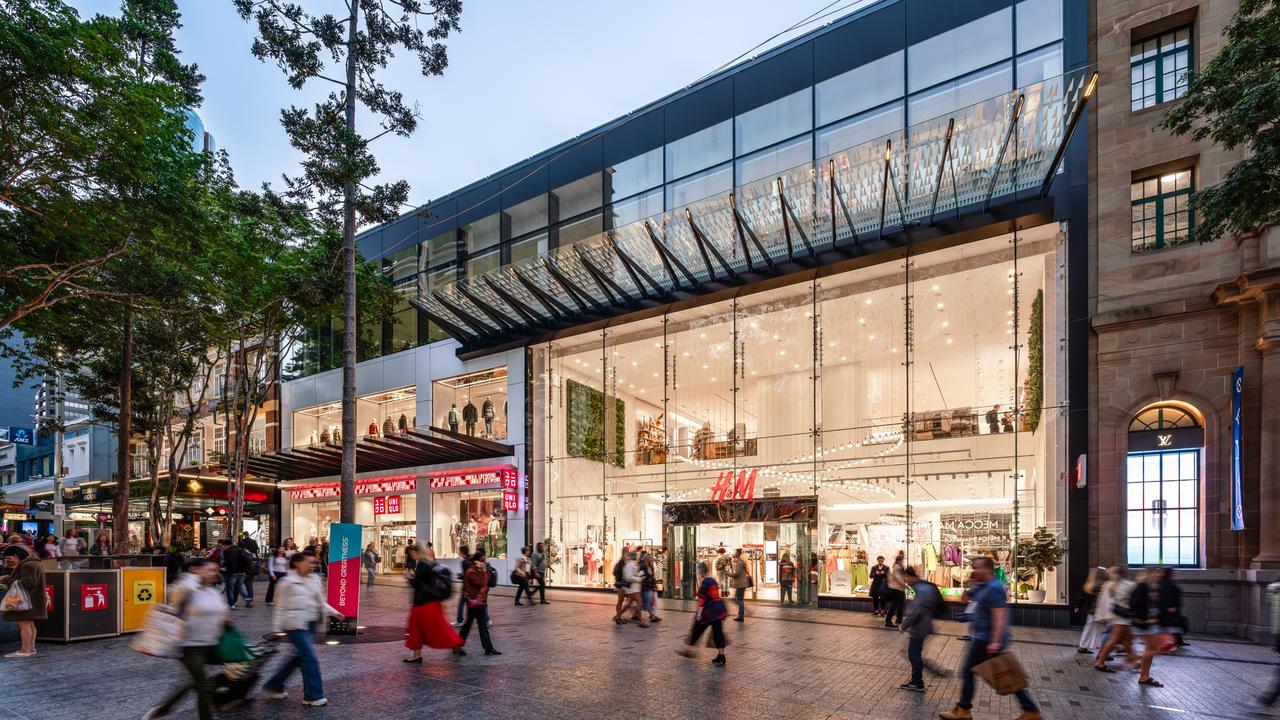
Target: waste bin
[[141, 587], [83, 604]]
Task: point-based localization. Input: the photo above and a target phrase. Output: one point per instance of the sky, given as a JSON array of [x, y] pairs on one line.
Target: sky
[[523, 76]]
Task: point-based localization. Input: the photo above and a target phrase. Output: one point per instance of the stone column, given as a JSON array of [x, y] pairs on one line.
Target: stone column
[[1268, 346]]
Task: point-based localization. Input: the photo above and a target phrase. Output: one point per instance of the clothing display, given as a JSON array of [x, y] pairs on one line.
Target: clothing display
[[469, 417], [453, 418], [487, 412], [388, 427]]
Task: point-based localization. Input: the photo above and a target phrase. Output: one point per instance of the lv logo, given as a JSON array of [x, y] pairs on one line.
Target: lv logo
[[1164, 440]]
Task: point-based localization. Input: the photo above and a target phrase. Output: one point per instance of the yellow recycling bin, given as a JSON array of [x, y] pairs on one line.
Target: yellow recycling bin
[[140, 588]]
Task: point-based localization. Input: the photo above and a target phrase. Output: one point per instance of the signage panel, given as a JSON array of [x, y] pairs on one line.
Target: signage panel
[[21, 435], [1237, 452], [344, 576]]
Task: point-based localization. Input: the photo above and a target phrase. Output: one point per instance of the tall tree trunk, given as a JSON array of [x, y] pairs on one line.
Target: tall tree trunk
[[124, 430], [153, 502], [169, 539], [347, 504]]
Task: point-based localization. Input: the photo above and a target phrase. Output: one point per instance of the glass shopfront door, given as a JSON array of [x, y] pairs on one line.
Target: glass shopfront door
[[764, 546]]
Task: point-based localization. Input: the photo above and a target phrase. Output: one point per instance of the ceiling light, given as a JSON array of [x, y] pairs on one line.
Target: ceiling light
[[862, 321], [704, 366], [936, 288], [940, 306], [702, 335], [775, 337], [868, 301], [782, 352], [871, 337], [946, 323], [842, 358], [948, 341]]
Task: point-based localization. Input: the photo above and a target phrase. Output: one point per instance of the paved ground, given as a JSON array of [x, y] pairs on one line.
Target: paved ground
[[567, 660]]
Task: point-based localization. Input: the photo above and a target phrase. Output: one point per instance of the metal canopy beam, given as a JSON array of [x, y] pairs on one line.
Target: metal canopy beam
[[1004, 145], [634, 269], [531, 316], [602, 279], [942, 165], [552, 304], [480, 327], [669, 259], [838, 197], [706, 246], [1066, 136], [447, 325], [745, 232], [884, 188], [486, 308], [788, 218], [584, 301]]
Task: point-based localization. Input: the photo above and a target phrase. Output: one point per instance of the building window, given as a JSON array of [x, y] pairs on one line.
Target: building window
[[1159, 67], [1162, 210], [1162, 488], [219, 444], [195, 447]]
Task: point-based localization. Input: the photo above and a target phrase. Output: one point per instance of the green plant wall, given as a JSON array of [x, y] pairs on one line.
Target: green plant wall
[[1035, 358], [586, 422]]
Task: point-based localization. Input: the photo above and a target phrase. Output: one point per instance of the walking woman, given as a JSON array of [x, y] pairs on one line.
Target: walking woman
[[26, 571], [475, 593], [370, 561], [301, 604], [1113, 608], [198, 601], [1091, 636], [879, 575], [896, 591], [277, 568], [427, 624], [1143, 609], [649, 586], [711, 613]]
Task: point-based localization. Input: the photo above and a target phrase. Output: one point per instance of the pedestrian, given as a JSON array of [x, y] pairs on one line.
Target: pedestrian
[[895, 591], [464, 557], [1087, 604], [741, 582], [25, 571], [786, 578], [291, 547], [50, 548], [1170, 615], [277, 568], [430, 554], [1113, 608], [620, 585], [234, 565], [990, 637], [72, 545], [475, 593], [204, 608], [99, 551], [1143, 608], [174, 564], [539, 559], [711, 613], [300, 605], [410, 561], [879, 575], [252, 568], [649, 586], [369, 559], [918, 624], [724, 566], [323, 558], [523, 574], [427, 625], [631, 573], [1271, 696], [248, 543]]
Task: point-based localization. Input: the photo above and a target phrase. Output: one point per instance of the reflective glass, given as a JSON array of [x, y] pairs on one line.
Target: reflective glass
[[959, 93], [773, 161], [578, 196], [441, 248], [862, 128], [528, 248], [1039, 23], [578, 230], [863, 87], [483, 263], [1039, 65], [697, 187], [528, 216], [958, 51], [701, 149], [636, 208], [629, 177], [483, 233], [783, 118]]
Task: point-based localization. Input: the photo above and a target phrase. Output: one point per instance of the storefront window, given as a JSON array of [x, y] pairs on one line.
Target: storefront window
[[474, 404], [381, 413], [388, 522], [474, 519]]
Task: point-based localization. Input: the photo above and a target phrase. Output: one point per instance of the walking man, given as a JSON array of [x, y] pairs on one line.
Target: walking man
[[918, 624], [1272, 695], [741, 581], [233, 569], [464, 556], [540, 573], [990, 637]]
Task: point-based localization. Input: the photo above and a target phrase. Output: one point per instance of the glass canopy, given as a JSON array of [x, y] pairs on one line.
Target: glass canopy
[[855, 202]]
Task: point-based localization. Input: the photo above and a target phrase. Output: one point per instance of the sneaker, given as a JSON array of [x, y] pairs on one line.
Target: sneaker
[[20, 654], [249, 604], [1084, 651], [958, 713], [274, 694], [544, 602], [492, 652], [719, 661], [316, 703], [913, 687], [153, 714], [685, 652]]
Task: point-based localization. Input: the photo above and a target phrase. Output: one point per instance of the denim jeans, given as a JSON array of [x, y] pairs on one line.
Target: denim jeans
[[369, 574], [915, 653], [233, 583], [248, 586], [739, 598], [978, 655], [304, 657], [649, 601]]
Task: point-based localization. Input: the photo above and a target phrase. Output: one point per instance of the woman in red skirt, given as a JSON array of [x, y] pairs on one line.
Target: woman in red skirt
[[427, 625]]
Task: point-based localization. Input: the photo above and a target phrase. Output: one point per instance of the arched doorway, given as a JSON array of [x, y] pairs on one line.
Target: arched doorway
[[1162, 487]]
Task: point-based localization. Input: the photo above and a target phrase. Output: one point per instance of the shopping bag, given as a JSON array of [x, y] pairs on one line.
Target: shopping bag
[[162, 633], [1003, 673], [16, 600], [233, 647], [1161, 641]]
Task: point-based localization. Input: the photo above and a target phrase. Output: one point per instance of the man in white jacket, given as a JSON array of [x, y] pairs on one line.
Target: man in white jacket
[[300, 604]]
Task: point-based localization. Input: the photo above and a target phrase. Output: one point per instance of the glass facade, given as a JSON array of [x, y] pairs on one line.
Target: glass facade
[[474, 404], [886, 409], [377, 414]]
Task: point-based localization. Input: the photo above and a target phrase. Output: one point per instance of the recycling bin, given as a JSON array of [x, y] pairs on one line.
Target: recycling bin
[[140, 589], [83, 604]]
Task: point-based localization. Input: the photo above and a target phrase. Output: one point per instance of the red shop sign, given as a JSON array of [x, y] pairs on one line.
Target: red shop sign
[[380, 506], [399, 483], [393, 505], [466, 480]]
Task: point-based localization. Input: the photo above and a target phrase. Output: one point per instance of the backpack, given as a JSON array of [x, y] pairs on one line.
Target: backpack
[[618, 577], [493, 575], [938, 608]]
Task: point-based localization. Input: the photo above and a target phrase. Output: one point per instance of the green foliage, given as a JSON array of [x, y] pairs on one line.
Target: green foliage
[[1035, 358], [1043, 553], [1234, 101], [585, 432]]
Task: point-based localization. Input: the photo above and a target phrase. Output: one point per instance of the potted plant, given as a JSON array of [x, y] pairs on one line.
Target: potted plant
[[1043, 554]]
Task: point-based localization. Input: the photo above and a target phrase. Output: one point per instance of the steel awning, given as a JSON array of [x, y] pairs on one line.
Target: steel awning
[[411, 448]]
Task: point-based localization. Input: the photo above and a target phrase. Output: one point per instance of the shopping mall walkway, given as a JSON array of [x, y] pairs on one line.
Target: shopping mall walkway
[[567, 660]]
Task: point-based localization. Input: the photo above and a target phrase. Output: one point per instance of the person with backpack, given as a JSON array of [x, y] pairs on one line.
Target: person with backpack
[[432, 584], [918, 624], [711, 613], [235, 563], [475, 592]]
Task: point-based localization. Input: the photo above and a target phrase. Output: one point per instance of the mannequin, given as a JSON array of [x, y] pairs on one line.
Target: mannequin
[[592, 556], [337, 436], [312, 441], [453, 417], [324, 436], [455, 535], [487, 412], [495, 536], [373, 428], [469, 417], [403, 423], [388, 427]]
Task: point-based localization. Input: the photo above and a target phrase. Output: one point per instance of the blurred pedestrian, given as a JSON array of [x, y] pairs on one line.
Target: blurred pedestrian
[[277, 568], [1113, 608], [430, 553], [475, 593], [649, 586], [369, 559], [741, 582], [196, 599], [523, 574], [918, 624], [879, 576], [539, 559], [787, 578], [1271, 696], [990, 637], [1145, 624], [49, 548], [300, 605], [464, 556], [895, 591], [1087, 604], [428, 627], [635, 581], [26, 572], [234, 566], [1170, 615], [711, 613]]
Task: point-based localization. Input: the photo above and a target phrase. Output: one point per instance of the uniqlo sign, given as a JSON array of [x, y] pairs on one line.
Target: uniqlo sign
[[379, 506], [510, 490], [393, 504], [93, 596]]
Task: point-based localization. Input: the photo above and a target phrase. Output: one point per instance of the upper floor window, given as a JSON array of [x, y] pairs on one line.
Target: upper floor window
[[1158, 68], [1162, 210]]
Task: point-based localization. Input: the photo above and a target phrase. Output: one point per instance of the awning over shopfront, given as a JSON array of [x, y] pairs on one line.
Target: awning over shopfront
[[923, 182], [411, 448]]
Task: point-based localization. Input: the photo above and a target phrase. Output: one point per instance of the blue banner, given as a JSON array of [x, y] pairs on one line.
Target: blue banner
[[1237, 461], [21, 436]]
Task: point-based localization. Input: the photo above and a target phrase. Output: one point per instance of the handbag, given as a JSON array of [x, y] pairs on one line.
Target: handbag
[[163, 631], [16, 600], [232, 647], [1003, 673], [1161, 640]]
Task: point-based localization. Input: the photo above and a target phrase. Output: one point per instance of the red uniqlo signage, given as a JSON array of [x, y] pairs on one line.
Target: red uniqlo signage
[[93, 596], [510, 490], [399, 483], [393, 505], [466, 480], [379, 506]]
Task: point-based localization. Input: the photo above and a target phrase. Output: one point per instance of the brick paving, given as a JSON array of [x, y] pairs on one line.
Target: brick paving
[[567, 660]]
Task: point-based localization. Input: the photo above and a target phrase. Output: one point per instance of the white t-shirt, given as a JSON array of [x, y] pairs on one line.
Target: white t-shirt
[[72, 546]]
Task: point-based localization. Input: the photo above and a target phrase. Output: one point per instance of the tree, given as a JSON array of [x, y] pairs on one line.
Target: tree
[[363, 38], [1234, 101]]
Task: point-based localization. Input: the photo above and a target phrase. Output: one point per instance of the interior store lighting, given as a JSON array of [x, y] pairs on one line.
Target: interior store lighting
[[965, 502]]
